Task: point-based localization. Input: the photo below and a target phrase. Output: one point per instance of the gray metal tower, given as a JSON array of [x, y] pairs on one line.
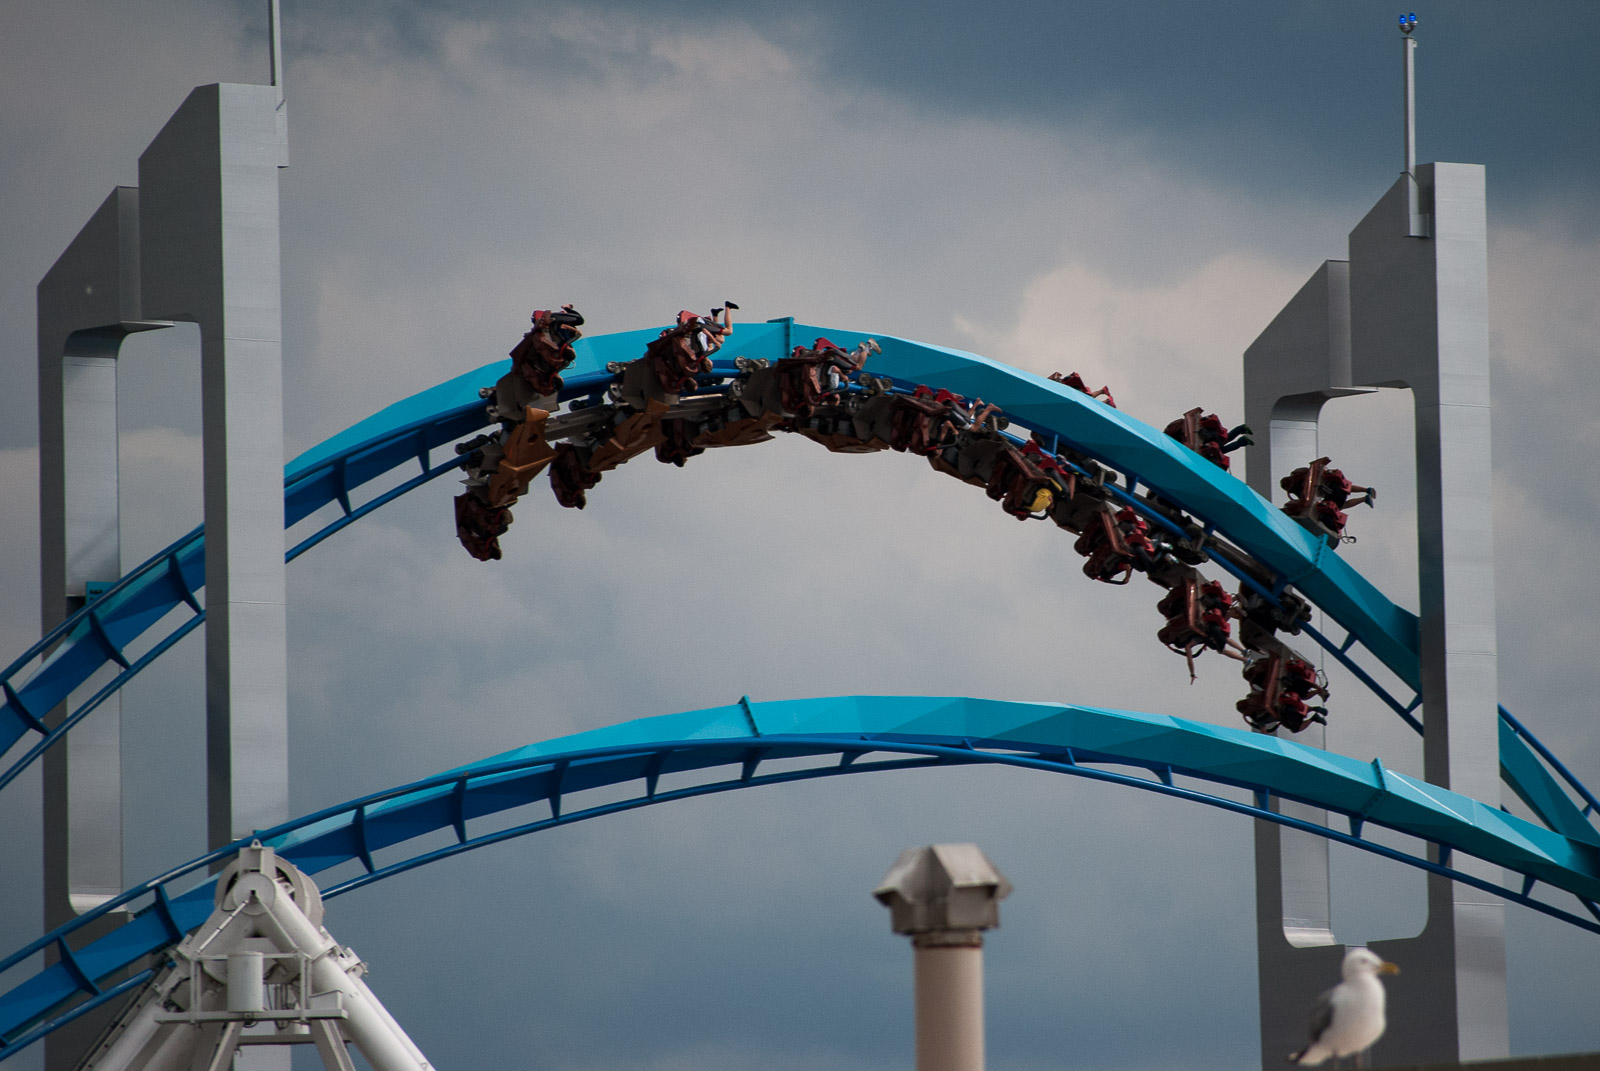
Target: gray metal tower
[[1408, 309], [196, 241]]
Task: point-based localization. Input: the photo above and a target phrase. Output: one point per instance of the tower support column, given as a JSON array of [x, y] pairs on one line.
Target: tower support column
[[1297, 365], [208, 214], [87, 304], [1419, 319], [197, 241], [1414, 314]]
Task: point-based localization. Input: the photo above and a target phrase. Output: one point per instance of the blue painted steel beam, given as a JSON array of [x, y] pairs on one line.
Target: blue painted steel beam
[[407, 431], [900, 732]]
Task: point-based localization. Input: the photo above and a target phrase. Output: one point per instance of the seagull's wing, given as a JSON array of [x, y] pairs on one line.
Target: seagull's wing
[[1321, 1020], [1322, 1016]]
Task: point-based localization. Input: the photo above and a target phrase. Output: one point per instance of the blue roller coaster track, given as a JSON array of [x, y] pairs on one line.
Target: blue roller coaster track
[[1243, 534]]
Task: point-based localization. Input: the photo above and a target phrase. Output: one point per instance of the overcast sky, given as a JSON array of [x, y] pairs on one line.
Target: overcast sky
[[1127, 191]]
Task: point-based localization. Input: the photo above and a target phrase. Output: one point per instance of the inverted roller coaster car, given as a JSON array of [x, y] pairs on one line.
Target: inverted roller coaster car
[[1318, 497], [676, 443], [684, 350], [674, 360], [1281, 683], [926, 421], [479, 526], [1115, 543], [547, 349], [1026, 481], [873, 412], [1206, 435], [1077, 512], [971, 458], [1198, 613], [809, 376], [570, 476]]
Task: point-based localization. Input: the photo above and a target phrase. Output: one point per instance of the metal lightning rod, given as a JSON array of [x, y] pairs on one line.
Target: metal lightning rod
[[275, 60], [1408, 45], [275, 36]]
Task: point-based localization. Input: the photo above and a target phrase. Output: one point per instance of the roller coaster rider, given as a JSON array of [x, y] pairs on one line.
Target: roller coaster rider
[[1026, 482], [1198, 613], [547, 348], [1206, 435], [925, 422], [1319, 495], [809, 377], [1280, 684], [1075, 381], [1116, 544], [684, 350], [479, 526]]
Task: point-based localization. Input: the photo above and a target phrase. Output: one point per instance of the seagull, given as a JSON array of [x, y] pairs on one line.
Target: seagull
[[1349, 1017]]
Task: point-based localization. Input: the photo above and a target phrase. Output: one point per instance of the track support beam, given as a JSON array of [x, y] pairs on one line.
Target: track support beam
[[261, 971]]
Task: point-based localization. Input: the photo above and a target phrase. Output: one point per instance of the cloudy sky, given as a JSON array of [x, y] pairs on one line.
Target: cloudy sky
[[1127, 191]]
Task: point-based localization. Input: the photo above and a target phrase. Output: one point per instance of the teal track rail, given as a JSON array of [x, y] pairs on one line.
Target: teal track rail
[[154, 606], [409, 432], [677, 756]]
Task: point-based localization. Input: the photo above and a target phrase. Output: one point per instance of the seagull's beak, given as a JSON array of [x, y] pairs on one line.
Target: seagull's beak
[[1388, 968]]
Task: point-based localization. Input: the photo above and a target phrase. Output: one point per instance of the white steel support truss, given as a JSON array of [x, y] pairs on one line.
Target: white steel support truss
[[261, 971]]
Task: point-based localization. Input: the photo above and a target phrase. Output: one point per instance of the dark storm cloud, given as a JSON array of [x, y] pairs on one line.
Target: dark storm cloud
[[1304, 91]]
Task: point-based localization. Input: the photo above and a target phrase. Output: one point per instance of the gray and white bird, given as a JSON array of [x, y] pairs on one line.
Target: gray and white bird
[[1349, 1017]]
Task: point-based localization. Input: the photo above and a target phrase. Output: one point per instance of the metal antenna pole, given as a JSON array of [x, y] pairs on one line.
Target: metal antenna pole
[[275, 34], [275, 60], [1408, 52]]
